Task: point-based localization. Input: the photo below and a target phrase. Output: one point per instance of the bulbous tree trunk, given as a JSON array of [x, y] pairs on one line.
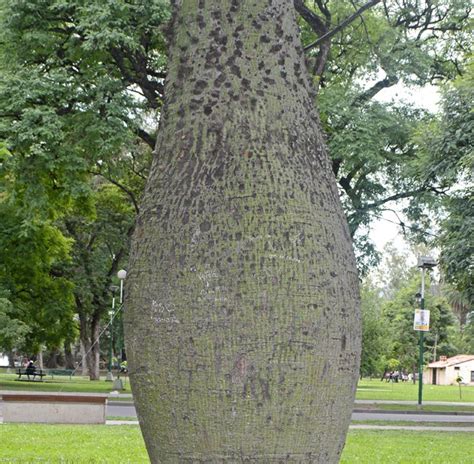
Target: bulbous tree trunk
[[242, 320]]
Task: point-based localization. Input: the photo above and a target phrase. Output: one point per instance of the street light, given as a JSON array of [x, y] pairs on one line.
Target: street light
[[424, 263], [110, 377], [122, 275]]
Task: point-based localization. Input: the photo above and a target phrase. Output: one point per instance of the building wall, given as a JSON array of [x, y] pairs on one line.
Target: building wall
[[448, 375]]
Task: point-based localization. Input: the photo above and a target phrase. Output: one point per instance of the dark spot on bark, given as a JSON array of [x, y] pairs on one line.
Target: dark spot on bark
[[234, 69], [238, 30], [343, 342], [333, 274], [276, 48], [220, 79], [260, 92], [200, 86], [208, 110], [281, 60], [185, 217], [245, 83], [253, 103], [269, 80], [283, 74], [205, 226], [200, 21], [325, 370], [234, 6], [256, 24], [238, 236], [265, 39]]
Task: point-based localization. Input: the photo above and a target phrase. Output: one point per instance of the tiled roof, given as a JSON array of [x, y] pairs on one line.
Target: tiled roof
[[460, 358]]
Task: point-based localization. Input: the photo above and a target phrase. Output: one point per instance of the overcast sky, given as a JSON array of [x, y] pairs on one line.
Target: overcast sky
[[427, 98]]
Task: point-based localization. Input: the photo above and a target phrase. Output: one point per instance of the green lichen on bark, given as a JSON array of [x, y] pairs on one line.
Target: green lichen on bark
[[241, 321]]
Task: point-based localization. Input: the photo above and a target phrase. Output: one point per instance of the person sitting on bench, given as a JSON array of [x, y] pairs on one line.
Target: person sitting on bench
[[31, 370]]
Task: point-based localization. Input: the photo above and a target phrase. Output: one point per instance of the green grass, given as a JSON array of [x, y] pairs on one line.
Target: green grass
[[406, 446], [59, 384], [407, 391], [25, 443]]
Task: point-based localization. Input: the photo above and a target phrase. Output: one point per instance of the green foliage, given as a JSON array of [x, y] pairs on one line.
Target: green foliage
[[374, 332], [12, 330], [40, 300], [376, 156]]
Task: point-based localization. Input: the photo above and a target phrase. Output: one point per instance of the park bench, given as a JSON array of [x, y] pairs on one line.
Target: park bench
[[53, 372], [33, 373]]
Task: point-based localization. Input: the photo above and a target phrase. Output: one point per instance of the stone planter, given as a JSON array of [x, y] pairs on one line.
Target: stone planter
[[50, 407]]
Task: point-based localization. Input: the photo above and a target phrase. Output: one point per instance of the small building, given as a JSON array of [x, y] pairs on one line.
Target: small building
[[447, 370]]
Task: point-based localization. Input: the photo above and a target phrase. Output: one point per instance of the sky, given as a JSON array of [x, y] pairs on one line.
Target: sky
[[428, 98]]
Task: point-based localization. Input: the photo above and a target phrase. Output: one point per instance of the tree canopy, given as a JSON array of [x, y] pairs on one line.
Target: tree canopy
[[80, 98]]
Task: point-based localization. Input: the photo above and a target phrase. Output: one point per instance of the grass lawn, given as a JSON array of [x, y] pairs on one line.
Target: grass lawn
[[407, 391], [384, 446], [21, 443], [60, 384]]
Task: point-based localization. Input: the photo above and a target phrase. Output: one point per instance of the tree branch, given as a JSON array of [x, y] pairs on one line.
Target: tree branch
[[342, 25], [147, 138]]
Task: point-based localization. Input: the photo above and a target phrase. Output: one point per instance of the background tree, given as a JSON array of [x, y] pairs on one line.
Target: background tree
[[375, 158], [75, 97], [376, 344]]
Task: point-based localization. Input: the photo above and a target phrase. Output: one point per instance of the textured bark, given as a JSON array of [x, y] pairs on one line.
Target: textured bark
[[241, 312]]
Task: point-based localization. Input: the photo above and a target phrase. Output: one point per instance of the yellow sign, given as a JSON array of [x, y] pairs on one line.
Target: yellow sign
[[422, 320]]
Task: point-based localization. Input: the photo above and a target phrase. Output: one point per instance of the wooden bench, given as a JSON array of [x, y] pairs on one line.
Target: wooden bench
[[30, 372]]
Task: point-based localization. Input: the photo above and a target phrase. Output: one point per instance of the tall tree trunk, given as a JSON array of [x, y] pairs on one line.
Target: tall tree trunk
[[68, 355], [242, 306], [89, 335], [11, 358]]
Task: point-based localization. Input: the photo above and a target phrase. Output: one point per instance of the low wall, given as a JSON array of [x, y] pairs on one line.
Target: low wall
[[60, 408]]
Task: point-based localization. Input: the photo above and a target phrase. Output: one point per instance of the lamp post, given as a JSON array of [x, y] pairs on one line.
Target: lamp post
[[110, 377], [122, 275], [424, 263]]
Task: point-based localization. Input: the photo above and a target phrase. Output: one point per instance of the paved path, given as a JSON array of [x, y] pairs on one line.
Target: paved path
[[414, 403], [416, 417]]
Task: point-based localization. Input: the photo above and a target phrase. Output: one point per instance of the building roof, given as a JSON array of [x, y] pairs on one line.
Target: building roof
[[460, 358]]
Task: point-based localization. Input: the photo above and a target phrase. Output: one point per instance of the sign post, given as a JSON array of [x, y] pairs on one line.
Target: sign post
[[422, 319]]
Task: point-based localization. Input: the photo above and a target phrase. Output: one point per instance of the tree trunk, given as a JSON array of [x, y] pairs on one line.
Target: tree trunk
[[242, 307], [68, 355], [11, 359], [89, 335]]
